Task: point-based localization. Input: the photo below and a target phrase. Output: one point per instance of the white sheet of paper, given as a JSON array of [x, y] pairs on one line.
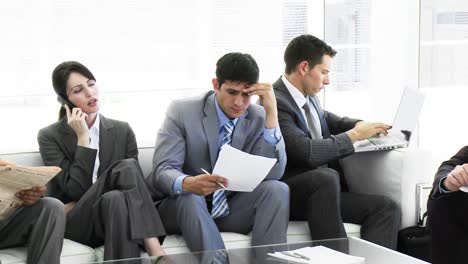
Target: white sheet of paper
[[320, 255], [244, 171]]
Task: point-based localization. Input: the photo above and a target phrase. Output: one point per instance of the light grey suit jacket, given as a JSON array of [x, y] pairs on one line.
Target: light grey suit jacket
[[58, 147], [188, 141]]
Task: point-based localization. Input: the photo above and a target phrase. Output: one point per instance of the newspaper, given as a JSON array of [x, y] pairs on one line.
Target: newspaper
[[15, 178]]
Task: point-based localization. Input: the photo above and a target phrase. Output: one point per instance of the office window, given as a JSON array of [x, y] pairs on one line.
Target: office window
[[143, 53], [376, 59], [347, 28], [443, 75]]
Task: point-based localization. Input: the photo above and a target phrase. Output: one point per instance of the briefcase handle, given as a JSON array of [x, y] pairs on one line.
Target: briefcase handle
[[421, 221]]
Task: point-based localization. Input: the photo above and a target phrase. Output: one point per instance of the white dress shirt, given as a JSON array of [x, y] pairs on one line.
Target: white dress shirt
[[94, 144], [301, 100]]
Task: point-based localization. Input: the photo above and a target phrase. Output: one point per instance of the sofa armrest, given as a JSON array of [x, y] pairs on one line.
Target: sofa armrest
[[24, 158], [390, 173]]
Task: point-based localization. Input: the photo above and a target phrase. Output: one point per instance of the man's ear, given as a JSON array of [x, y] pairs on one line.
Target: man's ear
[[215, 83], [303, 67]]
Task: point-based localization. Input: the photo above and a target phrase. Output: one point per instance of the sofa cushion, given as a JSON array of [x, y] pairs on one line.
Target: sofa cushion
[[72, 252], [145, 158]]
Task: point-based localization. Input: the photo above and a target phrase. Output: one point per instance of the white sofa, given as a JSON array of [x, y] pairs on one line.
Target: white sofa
[[394, 174], [387, 173]]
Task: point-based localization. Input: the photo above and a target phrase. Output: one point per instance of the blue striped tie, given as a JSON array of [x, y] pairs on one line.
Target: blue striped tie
[[220, 206]]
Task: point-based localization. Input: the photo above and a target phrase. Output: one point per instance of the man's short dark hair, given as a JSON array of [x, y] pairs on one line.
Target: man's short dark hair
[[237, 67], [306, 48]]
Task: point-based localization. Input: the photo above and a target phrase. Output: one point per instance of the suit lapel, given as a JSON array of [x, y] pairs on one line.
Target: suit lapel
[[67, 139], [210, 125], [281, 88], [106, 143]]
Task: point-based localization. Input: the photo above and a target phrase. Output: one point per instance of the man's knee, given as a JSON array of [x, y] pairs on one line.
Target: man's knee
[[275, 191], [190, 203], [52, 204], [53, 209], [324, 179], [274, 187], [389, 206]]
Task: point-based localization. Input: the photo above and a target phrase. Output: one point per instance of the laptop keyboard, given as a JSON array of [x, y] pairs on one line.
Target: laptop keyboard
[[386, 140]]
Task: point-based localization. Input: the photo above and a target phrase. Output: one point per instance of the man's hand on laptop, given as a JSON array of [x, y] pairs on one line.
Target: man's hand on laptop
[[363, 130]]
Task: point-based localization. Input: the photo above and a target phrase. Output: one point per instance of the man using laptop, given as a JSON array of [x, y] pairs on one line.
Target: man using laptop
[[315, 141]]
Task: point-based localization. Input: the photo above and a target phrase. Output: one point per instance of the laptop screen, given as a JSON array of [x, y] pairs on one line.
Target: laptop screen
[[407, 114]]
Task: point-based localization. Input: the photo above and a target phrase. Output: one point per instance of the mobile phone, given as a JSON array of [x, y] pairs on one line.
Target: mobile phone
[[64, 101]]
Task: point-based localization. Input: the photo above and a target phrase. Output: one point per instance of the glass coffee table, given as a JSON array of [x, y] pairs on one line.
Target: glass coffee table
[[373, 254]]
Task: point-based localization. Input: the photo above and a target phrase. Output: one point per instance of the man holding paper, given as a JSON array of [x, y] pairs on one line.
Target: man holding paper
[[40, 224], [190, 140]]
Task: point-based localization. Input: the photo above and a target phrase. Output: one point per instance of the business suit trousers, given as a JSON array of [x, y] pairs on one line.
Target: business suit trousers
[[316, 197], [264, 211], [448, 221], [40, 227], [118, 211]]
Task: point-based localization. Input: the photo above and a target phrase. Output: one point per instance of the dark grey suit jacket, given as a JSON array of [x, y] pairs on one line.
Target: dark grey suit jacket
[[58, 147], [188, 141], [303, 152], [445, 168]]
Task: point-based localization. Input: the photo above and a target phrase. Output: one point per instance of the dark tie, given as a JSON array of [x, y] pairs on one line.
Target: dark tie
[[220, 206]]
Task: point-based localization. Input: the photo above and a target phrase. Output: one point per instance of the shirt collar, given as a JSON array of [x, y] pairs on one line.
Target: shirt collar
[[222, 118], [95, 126], [298, 97]]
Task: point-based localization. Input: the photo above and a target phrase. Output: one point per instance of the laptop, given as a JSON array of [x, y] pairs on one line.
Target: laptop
[[403, 126]]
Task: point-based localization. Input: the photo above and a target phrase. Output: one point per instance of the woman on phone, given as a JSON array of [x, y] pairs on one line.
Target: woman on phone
[[101, 183]]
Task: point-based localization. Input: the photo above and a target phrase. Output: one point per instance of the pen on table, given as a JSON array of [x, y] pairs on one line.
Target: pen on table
[[290, 254], [302, 256], [295, 255], [220, 184]]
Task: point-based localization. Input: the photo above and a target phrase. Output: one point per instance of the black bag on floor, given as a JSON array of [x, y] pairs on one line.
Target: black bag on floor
[[415, 241]]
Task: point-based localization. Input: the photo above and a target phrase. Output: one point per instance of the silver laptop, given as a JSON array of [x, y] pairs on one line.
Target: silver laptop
[[403, 126]]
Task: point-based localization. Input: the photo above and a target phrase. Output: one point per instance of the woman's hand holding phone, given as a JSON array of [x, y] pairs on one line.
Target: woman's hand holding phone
[[77, 121]]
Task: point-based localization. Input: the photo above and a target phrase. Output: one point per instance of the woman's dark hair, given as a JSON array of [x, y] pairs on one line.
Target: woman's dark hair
[[60, 77], [237, 67]]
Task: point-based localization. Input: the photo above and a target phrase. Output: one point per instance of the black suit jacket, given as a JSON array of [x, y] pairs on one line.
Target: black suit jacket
[[303, 152], [446, 167], [58, 147]]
